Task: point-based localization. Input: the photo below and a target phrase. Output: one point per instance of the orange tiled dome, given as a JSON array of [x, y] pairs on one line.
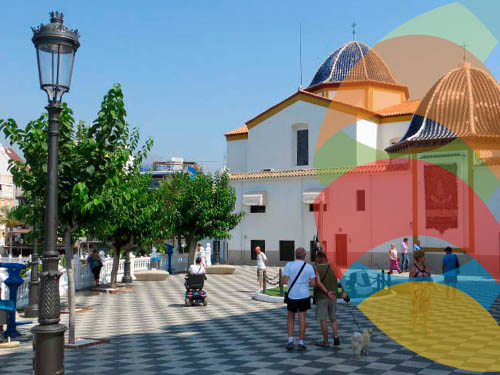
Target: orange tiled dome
[[464, 103]]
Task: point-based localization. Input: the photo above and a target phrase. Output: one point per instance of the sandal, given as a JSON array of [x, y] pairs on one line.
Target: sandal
[[323, 344]]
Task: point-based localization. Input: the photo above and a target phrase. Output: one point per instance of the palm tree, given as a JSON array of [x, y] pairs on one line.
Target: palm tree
[[9, 219]]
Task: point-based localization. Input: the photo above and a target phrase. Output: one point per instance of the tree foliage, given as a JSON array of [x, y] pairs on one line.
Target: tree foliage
[[200, 207]]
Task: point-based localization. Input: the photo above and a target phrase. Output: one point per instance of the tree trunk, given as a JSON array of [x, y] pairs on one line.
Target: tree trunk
[[116, 263], [70, 272], [192, 250]]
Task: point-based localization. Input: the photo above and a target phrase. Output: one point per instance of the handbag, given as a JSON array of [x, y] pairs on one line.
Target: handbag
[[322, 279], [285, 300]]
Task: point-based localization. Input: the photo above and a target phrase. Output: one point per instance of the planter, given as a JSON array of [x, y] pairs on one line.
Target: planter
[[220, 270], [151, 275]]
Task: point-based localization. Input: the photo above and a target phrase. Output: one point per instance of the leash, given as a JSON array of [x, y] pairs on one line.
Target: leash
[[353, 318]]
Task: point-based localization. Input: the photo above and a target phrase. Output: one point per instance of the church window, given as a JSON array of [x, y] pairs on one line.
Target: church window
[[287, 249], [315, 207], [303, 147], [257, 209], [360, 200]]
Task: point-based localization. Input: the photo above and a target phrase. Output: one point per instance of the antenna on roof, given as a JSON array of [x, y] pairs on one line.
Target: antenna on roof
[[464, 45], [353, 30], [300, 54]]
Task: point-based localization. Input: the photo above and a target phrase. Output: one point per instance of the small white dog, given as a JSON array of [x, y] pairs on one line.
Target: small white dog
[[357, 344], [367, 334], [361, 342]]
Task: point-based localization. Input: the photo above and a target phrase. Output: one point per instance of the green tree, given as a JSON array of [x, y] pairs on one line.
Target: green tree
[[10, 219], [90, 159], [133, 216], [199, 207]]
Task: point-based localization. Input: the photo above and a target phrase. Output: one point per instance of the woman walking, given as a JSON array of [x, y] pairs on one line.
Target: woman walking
[[420, 290], [95, 263], [393, 259]]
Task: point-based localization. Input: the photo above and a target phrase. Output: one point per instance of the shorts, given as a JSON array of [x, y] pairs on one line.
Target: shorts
[[450, 280], [260, 274], [300, 305], [96, 271], [325, 309]]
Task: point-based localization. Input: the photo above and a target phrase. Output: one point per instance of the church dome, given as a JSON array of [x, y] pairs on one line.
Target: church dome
[[354, 61], [463, 103]]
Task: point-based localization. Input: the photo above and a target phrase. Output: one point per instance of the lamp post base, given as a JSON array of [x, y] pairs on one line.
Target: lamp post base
[[31, 311], [127, 280], [48, 342]]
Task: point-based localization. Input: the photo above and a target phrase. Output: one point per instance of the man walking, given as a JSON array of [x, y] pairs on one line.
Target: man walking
[[450, 267], [300, 276], [325, 295], [261, 266], [405, 264], [417, 246]]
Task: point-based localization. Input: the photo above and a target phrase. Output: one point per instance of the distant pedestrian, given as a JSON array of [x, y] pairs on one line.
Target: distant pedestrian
[[300, 277], [417, 246], [420, 291], [393, 259], [261, 266], [325, 296], [95, 263], [405, 266], [450, 270]]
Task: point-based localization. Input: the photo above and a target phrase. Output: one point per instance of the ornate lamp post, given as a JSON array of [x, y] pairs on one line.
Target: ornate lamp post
[[31, 311], [56, 46]]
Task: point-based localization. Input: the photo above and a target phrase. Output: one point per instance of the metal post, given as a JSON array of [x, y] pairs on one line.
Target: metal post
[[264, 281], [48, 339], [127, 279], [31, 311], [281, 282]]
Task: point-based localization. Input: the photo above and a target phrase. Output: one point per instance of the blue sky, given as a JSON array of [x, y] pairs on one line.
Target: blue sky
[[191, 70]]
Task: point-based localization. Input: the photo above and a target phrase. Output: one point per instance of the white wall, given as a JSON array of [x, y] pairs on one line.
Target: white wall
[[270, 143], [366, 137], [390, 130], [237, 155], [286, 217]]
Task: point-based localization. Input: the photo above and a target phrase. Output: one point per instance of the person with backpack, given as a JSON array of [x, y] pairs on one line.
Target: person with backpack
[[450, 267], [325, 299], [300, 277]]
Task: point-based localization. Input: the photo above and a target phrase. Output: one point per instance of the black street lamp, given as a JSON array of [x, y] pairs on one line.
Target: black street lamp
[[56, 46], [31, 311]]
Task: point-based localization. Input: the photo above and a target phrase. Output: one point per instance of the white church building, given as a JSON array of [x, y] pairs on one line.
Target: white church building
[[282, 159]]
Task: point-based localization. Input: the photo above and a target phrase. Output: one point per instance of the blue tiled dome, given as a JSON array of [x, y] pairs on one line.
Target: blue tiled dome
[[354, 61]]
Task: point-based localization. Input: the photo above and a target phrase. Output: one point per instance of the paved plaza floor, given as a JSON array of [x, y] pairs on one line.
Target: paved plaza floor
[[151, 332]]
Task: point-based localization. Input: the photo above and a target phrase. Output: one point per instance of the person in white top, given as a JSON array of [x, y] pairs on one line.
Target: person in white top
[[197, 269], [200, 253], [393, 259], [261, 266], [300, 277], [405, 266]]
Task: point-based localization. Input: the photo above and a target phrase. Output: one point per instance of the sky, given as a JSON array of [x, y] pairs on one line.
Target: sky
[[190, 70]]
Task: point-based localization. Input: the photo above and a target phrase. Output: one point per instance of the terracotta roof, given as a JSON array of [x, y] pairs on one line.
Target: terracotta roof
[[13, 155], [241, 130], [464, 103], [405, 108], [372, 168]]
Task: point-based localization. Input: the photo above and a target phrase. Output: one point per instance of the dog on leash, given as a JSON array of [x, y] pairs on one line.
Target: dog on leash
[[357, 344], [361, 342], [366, 340]]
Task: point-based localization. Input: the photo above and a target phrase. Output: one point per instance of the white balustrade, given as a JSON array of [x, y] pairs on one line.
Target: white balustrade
[[84, 278]]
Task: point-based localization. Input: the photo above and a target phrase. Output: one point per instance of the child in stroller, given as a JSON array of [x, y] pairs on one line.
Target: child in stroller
[[195, 279]]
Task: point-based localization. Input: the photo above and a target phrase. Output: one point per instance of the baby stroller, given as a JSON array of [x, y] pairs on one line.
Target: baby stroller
[[194, 290]]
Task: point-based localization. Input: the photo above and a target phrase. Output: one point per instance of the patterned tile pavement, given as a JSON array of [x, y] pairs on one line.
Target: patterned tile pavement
[[151, 332]]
